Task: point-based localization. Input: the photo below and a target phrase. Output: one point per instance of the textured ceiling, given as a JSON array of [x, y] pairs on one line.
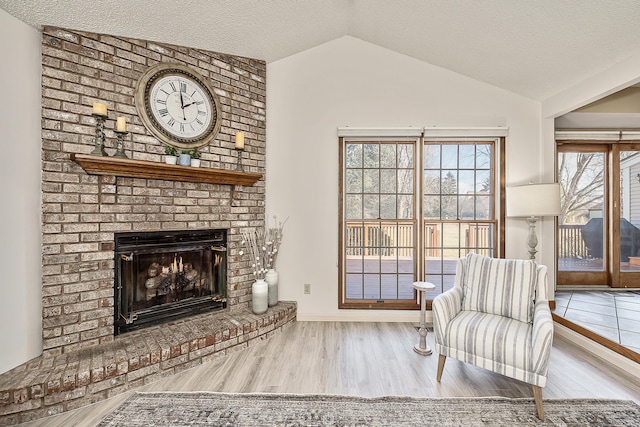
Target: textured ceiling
[[533, 48]]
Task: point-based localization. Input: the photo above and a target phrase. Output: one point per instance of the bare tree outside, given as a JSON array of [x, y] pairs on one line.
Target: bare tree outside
[[581, 178]]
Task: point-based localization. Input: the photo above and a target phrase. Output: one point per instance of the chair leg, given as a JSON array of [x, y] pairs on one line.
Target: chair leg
[[441, 361], [537, 395]]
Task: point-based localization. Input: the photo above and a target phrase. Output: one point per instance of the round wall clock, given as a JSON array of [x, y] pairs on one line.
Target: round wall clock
[[178, 105]]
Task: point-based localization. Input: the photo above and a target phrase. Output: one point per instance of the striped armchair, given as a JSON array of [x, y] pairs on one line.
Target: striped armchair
[[497, 317]]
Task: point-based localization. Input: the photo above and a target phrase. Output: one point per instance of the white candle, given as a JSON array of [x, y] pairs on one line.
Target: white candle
[[121, 124], [180, 264], [239, 140], [100, 109]]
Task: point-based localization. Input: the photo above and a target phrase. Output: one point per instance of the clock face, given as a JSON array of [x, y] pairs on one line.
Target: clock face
[[178, 106]]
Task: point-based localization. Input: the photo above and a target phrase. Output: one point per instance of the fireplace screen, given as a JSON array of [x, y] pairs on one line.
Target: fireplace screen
[[164, 276]]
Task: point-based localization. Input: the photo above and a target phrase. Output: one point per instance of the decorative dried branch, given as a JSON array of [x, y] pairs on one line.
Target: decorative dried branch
[[262, 246]]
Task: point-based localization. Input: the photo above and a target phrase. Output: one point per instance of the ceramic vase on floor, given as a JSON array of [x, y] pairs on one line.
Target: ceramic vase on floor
[[259, 296], [271, 277]]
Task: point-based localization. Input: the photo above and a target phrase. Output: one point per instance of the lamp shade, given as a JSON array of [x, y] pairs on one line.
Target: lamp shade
[[533, 200]]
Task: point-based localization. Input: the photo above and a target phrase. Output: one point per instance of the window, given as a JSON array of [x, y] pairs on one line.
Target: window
[[458, 207], [409, 208]]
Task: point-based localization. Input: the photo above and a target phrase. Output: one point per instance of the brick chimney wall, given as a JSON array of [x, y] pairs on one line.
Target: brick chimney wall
[[81, 212]]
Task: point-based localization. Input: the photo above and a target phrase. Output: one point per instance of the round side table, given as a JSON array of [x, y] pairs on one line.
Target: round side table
[[422, 288]]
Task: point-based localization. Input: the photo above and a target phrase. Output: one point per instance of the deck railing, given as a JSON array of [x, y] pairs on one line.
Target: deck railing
[[391, 239], [570, 242]]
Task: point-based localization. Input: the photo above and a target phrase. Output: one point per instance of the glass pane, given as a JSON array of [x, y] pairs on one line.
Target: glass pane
[[389, 265], [354, 286], [405, 285], [371, 286], [431, 182], [466, 182], [483, 182], [355, 264], [466, 207], [432, 239], [431, 156], [467, 156], [354, 181], [483, 156], [405, 207], [388, 156], [405, 156], [431, 207], [483, 207], [371, 181], [371, 155], [449, 156], [449, 182], [354, 156], [405, 181], [581, 238], [388, 207], [371, 206], [449, 207], [388, 181], [354, 206], [389, 284], [451, 238], [629, 211]]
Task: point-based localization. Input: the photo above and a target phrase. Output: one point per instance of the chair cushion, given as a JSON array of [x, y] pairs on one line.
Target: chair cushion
[[493, 342], [504, 287]]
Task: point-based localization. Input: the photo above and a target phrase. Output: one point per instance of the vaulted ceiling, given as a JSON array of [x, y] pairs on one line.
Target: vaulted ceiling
[[532, 48]]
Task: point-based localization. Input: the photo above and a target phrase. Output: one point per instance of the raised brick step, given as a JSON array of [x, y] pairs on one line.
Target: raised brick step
[[50, 385]]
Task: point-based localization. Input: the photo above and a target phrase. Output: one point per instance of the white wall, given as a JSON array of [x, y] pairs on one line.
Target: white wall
[[20, 116], [348, 82]]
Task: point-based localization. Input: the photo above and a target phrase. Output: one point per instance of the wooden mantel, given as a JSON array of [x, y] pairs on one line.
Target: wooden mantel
[[99, 165]]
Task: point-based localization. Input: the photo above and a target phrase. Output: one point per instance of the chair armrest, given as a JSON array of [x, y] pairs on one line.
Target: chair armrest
[[541, 337], [445, 307]]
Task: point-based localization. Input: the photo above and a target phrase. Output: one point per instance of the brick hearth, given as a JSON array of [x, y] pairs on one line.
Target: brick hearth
[[50, 385]]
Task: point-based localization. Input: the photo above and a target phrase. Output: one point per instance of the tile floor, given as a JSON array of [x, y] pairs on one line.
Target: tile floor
[[612, 314]]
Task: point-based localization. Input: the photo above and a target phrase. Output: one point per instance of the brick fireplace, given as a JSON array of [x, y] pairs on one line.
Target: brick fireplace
[[85, 209], [81, 211]]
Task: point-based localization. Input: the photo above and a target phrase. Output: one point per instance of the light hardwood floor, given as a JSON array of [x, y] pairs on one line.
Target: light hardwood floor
[[367, 359]]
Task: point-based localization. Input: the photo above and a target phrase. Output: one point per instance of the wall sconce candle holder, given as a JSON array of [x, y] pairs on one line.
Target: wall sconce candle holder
[[120, 149], [99, 144], [239, 164]]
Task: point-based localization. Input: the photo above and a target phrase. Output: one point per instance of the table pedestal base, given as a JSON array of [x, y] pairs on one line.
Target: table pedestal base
[[422, 287]]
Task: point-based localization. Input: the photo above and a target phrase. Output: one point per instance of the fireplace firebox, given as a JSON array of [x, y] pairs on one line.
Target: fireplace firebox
[[167, 275]]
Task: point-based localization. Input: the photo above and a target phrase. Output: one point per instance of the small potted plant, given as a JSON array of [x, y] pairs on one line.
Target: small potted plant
[[185, 158], [195, 158], [171, 155]]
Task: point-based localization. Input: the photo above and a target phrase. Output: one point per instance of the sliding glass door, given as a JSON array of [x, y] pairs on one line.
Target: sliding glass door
[[599, 226]]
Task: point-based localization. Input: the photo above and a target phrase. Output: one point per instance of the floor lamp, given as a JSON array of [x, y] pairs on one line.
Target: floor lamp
[[533, 201]]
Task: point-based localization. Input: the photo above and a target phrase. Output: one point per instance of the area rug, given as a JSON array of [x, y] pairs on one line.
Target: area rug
[[223, 409]]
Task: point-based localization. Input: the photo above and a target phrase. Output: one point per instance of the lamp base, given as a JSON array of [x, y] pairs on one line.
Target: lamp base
[[532, 239]]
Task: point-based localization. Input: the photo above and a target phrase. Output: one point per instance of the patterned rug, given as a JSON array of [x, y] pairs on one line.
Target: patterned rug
[[248, 409]]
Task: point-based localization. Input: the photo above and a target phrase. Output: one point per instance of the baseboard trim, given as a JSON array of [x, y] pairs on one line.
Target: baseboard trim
[[403, 316], [611, 358]]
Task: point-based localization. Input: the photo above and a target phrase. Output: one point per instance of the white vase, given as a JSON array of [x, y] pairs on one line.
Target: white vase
[[259, 296], [184, 159], [271, 277], [170, 160], [195, 162]]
